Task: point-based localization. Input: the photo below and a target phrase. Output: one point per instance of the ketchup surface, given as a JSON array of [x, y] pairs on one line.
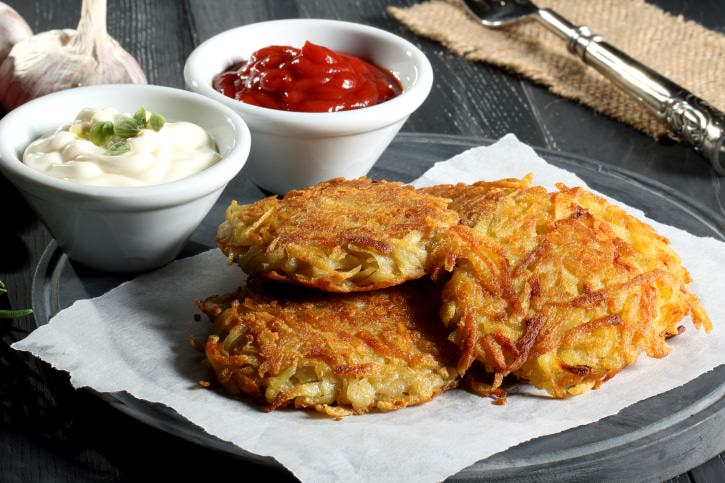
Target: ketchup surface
[[311, 79]]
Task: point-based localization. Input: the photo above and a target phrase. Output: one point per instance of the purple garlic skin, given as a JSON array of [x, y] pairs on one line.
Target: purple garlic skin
[[62, 59], [13, 29]]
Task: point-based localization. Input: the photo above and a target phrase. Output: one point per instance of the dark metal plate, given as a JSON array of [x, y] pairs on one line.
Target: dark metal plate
[[652, 440]]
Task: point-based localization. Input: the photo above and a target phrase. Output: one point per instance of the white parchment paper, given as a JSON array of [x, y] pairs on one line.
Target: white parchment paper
[[135, 339]]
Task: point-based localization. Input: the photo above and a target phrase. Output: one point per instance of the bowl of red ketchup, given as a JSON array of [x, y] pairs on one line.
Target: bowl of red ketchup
[[322, 98]]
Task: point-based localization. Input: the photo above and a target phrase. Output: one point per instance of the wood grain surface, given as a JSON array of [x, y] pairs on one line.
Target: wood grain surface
[[50, 432]]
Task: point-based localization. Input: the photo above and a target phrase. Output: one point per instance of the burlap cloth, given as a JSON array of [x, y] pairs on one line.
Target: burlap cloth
[[684, 51]]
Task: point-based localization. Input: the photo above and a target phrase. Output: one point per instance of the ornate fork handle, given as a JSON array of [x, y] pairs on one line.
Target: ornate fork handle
[[698, 123]]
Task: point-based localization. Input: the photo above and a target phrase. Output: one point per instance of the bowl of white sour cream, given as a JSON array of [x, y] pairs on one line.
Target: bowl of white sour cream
[[175, 151], [121, 175]]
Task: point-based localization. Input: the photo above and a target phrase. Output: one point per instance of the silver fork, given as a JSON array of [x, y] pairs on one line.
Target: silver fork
[[695, 121]]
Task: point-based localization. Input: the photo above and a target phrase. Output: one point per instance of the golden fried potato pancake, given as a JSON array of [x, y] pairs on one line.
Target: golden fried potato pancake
[[340, 354], [338, 236], [562, 289]]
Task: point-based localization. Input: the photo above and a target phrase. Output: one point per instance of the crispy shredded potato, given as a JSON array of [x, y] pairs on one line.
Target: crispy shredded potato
[[561, 289], [338, 236], [340, 354]]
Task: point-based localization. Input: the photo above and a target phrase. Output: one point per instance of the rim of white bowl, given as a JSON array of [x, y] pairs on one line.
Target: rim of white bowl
[[198, 78], [143, 197]]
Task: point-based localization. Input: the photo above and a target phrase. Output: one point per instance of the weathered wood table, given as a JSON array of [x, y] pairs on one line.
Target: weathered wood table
[[50, 432]]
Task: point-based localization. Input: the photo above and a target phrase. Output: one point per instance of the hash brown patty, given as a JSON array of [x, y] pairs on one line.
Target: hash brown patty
[[340, 354], [562, 289], [338, 236]]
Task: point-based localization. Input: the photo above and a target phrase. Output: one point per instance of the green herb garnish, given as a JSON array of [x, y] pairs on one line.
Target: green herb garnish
[[101, 133], [126, 127], [156, 121], [12, 314], [121, 146], [113, 135], [140, 117]]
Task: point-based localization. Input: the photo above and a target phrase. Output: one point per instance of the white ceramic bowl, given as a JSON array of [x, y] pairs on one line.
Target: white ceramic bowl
[[297, 149], [125, 229]]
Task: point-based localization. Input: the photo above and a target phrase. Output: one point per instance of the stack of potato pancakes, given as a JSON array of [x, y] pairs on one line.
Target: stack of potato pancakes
[[366, 294]]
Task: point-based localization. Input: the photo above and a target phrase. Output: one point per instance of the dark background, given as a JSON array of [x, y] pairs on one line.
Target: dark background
[[50, 432]]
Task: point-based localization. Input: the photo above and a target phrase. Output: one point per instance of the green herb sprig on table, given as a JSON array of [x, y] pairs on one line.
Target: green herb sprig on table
[[11, 314], [114, 135]]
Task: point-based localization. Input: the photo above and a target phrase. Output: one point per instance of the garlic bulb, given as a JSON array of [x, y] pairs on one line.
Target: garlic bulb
[[62, 59], [13, 29]]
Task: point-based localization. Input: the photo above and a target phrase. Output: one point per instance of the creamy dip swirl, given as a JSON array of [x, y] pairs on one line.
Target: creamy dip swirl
[[177, 150]]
